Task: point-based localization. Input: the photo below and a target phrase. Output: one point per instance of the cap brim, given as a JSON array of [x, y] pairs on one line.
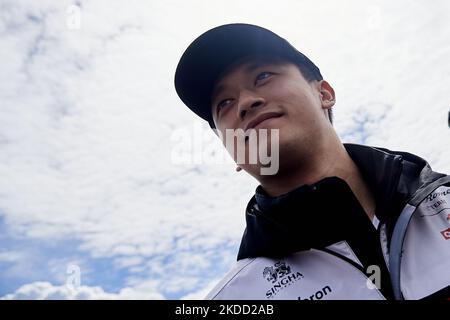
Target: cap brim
[[216, 50]]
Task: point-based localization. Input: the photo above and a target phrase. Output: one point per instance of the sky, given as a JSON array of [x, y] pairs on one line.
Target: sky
[[110, 188]]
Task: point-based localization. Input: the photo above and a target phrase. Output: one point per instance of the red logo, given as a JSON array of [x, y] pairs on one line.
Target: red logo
[[448, 216], [446, 234]]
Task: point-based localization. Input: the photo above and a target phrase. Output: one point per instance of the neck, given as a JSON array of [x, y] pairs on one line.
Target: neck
[[329, 161]]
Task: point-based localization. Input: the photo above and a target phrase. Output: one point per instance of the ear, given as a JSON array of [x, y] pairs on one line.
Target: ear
[[327, 95]]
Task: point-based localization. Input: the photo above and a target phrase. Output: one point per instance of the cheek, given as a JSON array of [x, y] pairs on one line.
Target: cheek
[[227, 120], [297, 103], [232, 140]]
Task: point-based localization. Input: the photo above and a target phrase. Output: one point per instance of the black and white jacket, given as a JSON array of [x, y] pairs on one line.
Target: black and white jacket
[[316, 242]]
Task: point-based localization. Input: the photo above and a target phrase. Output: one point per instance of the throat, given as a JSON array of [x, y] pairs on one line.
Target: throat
[[362, 192]]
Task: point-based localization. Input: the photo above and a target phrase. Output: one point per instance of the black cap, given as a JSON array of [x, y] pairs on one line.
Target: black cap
[[216, 50]]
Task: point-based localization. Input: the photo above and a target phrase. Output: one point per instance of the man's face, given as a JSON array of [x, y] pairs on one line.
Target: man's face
[[252, 91]]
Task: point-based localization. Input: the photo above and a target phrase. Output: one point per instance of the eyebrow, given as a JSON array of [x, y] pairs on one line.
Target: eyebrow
[[250, 68]]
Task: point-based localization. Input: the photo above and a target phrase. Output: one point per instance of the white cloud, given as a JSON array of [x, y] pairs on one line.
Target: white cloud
[[48, 291], [201, 294], [10, 256], [87, 116]]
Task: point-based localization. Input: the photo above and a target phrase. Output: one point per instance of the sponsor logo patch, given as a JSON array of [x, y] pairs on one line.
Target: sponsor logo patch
[[432, 196], [446, 234], [280, 276], [318, 295]]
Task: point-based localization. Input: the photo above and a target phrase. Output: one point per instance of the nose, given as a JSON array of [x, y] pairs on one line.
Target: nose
[[247, 101]]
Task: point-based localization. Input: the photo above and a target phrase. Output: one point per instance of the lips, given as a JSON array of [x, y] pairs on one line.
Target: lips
[[262, 117]]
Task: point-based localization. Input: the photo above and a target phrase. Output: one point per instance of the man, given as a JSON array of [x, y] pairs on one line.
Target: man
[[335, 221]]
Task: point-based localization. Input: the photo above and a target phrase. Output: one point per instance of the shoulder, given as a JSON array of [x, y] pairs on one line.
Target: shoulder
[[239, 267], [310, 274]]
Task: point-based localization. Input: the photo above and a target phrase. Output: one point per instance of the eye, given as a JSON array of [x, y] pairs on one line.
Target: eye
[[262, 76], [223, 103]]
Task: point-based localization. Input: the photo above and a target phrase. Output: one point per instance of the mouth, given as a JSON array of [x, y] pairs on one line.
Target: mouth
[[260, 119]]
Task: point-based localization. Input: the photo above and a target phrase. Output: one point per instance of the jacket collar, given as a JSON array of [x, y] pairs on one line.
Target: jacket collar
[[323, 213]]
